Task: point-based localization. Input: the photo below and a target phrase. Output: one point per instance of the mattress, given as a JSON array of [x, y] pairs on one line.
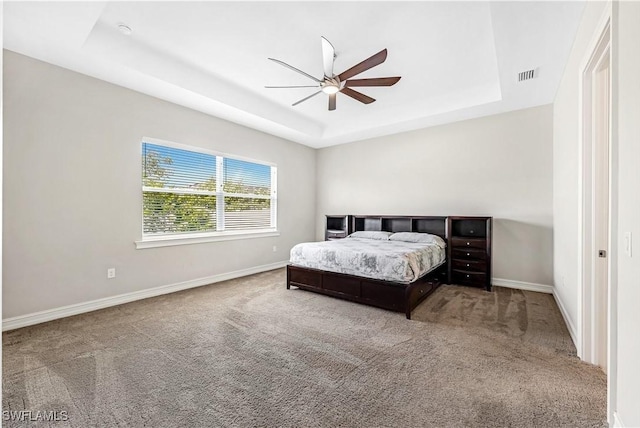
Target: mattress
[[395, 261]]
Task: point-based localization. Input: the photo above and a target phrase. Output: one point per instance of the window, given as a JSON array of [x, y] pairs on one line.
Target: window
[[191, 193]]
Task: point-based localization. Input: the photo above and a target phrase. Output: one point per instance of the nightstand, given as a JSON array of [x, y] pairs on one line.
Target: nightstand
[[336, 227], [469, 251]]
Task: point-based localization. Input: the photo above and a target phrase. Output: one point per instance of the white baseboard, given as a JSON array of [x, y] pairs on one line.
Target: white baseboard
[[567, 320], [80, 308], [617, 423], [521, 285]]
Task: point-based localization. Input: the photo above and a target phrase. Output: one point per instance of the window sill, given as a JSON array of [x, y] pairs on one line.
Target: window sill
[[201, 238]]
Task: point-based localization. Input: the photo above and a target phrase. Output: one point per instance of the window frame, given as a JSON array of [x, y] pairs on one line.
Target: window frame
[[185, 238]]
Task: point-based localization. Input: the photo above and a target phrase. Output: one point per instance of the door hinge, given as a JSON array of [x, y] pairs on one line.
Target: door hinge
[[602, 253]]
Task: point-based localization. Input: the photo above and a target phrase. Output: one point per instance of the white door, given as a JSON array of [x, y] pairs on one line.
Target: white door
[[601, 143]]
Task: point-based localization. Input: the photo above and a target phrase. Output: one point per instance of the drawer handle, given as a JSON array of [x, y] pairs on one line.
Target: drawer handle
[[467, 264], [467, 275], [468, 254], [468, 244]]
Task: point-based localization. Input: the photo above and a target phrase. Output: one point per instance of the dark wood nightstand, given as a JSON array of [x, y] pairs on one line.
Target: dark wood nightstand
[[336, 227], [469, 251]]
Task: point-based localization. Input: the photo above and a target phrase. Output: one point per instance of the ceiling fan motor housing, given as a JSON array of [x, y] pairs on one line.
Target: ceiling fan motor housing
[[330, 85]]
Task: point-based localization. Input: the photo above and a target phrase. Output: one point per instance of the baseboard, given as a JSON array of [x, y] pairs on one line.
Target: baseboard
[[80, 308], [617, 423], [567, 320], [521, 285]]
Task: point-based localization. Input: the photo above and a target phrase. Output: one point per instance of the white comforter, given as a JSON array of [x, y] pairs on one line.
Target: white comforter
[[395, 261]]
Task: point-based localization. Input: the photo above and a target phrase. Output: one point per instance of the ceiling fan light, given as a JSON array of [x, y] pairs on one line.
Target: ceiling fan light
[[330, 89]]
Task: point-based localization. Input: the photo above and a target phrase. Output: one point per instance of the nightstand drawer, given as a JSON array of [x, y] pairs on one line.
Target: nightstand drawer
[[469, 278], [468, 254], [470, 265], [336, 234], [469, 243]]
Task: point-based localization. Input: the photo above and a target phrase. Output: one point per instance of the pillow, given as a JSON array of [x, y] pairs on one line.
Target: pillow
[[371, 234], [425, 238]]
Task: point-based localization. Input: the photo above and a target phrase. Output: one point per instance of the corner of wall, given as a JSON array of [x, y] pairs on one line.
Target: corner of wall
[[573, 332]]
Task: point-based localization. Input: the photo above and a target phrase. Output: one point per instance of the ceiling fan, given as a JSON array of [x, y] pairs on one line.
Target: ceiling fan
[[331, 84]]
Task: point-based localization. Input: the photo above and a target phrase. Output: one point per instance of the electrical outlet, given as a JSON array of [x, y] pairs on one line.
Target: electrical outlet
[[275, 248], [111, 273]]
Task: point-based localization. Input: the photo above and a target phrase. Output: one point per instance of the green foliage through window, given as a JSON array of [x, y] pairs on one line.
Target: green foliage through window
[[181, 192]]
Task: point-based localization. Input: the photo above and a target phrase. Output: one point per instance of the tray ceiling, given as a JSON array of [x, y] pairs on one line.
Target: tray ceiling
[[458, 60]]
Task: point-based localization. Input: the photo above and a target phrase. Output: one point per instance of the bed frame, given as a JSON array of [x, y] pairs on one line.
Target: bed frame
[[383, 294]]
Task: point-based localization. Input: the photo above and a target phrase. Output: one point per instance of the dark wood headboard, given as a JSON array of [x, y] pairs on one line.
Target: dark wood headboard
[[422, 224]]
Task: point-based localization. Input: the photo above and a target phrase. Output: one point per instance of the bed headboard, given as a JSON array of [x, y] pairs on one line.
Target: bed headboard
[[423, 224]]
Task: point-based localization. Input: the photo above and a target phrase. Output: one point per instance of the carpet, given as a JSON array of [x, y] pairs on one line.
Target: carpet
[[248, 352]]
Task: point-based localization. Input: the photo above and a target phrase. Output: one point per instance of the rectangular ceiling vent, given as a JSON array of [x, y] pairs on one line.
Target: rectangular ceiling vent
[[526, 75]]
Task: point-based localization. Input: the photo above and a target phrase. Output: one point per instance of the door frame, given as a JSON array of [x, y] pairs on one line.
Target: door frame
[[599, 47]]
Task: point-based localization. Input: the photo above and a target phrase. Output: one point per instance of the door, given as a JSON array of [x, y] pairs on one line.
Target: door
[[601, 143]]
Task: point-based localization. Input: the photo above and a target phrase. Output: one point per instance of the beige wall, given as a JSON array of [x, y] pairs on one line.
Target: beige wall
[[498, 166], [566, 155], [626, 124], [72, 189]]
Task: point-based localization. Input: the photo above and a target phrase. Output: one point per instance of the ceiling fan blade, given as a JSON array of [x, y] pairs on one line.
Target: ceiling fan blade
[[328, 54], [332, 102], [306, 98], [357, 95], [368, 63], [380, 81], [305, 86], [294, 69]]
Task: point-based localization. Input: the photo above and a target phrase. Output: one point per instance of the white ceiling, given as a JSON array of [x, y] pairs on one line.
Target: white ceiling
[[458, 60]]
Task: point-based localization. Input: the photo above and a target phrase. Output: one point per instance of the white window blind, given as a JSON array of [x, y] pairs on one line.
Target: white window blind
[[189, 190]]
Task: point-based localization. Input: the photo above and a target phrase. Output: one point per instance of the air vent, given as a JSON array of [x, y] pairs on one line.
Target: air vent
[[526, 75]]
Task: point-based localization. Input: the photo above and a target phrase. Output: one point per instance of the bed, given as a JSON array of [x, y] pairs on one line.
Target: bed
[[388, 262]]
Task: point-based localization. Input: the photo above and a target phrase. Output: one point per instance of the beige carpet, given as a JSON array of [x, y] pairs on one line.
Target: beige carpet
[[530, 317], [248, 352]]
